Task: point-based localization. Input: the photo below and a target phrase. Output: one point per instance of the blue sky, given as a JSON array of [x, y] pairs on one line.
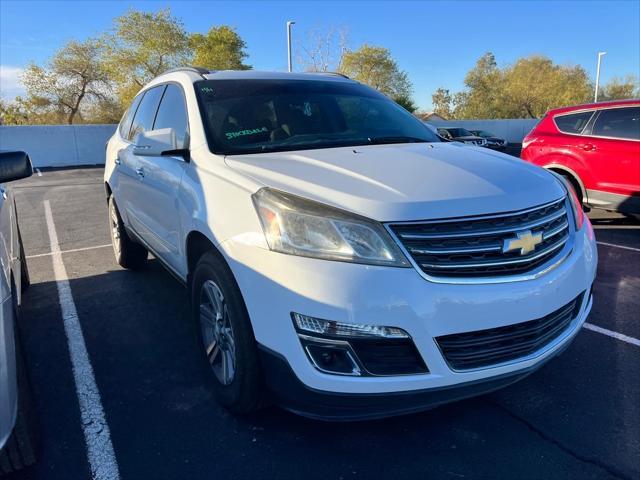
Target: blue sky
[[435, 42]]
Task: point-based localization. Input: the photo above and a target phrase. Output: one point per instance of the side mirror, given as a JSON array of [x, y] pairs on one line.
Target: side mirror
[[158, 143], [14, 166]]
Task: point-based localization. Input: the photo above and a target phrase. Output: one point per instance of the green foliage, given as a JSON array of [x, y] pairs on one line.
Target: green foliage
[[141, 46], [526, 89], [74, 77], [405, 102], [535, 84], [621, 88], [220, 49], [442, 101], [14, 113], [375, 67]]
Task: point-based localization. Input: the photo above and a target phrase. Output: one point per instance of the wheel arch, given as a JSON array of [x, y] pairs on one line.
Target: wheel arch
[[196, 245], [573, 177]]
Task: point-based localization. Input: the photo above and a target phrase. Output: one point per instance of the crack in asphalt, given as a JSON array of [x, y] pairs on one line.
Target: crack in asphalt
[[611, 471]]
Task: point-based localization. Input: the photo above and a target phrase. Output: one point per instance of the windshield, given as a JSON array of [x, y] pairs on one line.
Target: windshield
[[460, 132], [482, 133], [254, 116]]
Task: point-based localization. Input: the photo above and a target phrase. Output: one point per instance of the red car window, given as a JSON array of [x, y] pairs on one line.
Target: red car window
[[621, 123]]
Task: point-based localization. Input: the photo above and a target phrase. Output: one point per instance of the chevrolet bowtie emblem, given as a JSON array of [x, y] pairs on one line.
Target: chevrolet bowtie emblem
[[525, 241]]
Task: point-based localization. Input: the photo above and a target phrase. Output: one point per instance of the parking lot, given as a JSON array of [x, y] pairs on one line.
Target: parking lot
[[577, 417]]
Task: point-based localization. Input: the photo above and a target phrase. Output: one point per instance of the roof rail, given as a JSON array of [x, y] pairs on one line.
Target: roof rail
[[199, 70], [336, 74]]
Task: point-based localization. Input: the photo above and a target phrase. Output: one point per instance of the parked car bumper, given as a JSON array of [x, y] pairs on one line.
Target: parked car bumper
[[275, 285]]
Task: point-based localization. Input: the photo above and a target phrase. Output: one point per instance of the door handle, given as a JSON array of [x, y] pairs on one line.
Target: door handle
[[140, 172], [588, 147]]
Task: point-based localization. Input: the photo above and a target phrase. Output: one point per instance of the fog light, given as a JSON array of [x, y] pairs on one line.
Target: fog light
[[357, 349], [334, 359], [318, 326]]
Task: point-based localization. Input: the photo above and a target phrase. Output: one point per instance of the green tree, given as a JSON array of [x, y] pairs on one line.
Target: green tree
[[535, 84], [375, 67], [13, 113], [141, 46], [483, 97], [73, 78], [526, 89], [621, 88], [442, 101], [221, 48], [406, 102]]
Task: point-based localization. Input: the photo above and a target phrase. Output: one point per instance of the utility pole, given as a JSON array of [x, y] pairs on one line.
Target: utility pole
[[600, 55], [289, 23]]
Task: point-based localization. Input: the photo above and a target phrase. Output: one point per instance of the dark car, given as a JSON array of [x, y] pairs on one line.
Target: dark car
[[461, 135], [493, 142]]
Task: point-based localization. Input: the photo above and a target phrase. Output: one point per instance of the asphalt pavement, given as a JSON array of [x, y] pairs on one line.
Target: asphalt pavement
[[577, 417]]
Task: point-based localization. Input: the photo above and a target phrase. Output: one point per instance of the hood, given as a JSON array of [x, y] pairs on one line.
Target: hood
[[417, 181]]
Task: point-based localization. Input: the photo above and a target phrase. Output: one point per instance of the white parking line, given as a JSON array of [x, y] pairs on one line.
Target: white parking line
[[69, 251], [612, 334], [102, 459], [619, 246], [38, 172]]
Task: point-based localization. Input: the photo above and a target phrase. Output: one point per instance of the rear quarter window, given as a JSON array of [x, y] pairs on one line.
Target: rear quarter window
[[573, 122], [622, 123]]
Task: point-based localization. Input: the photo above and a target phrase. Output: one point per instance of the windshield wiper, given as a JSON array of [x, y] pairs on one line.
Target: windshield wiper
[[395, 139]]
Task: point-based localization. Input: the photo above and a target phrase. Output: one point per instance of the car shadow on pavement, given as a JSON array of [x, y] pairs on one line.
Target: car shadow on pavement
[[164, 421]]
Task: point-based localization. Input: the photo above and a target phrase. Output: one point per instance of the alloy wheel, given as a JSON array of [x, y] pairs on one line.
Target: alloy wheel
[[217, 332]]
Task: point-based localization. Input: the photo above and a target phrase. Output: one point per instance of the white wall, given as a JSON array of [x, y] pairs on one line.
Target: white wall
[[511, 130], [58, 145]]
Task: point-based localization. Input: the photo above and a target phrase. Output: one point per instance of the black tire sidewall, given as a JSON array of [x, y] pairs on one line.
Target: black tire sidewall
[[242, 395], [131, 255]]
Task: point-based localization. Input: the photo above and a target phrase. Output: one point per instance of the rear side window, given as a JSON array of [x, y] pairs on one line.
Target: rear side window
[[143, 120], [172, 113], [125, 124], [573, 122], [621, 123]]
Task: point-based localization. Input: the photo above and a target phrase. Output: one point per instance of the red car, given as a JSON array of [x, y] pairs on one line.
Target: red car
[[596, 147]]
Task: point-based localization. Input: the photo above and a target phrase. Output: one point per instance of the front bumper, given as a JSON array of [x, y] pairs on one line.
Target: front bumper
[[286, 390], [274, 285]]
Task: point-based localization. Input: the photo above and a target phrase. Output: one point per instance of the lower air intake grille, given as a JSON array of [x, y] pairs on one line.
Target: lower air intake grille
[[484, 348]]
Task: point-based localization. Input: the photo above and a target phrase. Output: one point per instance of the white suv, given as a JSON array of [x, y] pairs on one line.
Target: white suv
[[341, 260]]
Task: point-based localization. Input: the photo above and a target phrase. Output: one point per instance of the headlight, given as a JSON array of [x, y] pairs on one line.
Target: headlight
[[302, 227], [576, 205]]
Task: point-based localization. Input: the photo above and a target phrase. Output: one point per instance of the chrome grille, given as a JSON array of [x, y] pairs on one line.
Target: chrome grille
[[475, 247]]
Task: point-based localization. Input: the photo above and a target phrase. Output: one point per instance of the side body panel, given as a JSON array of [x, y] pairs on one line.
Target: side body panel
[[8, 382]]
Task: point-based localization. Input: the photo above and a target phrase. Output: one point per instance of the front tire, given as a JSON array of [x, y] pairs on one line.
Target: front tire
[[225, 334], [129, 254]]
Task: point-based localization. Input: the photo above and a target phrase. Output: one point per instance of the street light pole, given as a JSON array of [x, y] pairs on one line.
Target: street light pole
[[289, 23], [600, 55]]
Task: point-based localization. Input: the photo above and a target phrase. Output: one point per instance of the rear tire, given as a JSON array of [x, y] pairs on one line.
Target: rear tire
[[129, 254], [225, 335]]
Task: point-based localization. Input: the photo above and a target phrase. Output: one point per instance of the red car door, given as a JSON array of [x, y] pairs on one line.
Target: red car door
[[612, 150]]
